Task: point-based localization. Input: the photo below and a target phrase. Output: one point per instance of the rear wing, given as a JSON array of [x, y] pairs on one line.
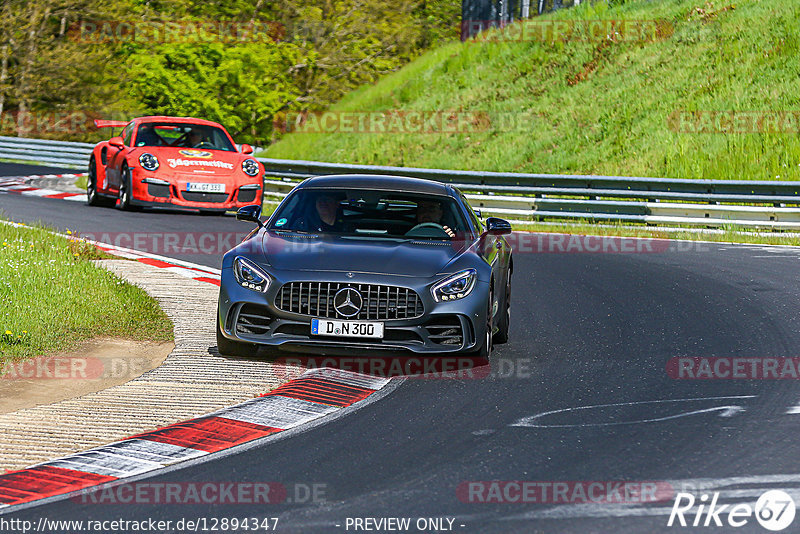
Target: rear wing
[[100, 123]]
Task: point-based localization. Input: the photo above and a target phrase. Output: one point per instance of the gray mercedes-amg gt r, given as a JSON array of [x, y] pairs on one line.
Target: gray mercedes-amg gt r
[[367, 263]]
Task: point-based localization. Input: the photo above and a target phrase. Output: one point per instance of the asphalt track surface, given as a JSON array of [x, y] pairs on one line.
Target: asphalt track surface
[[587, 329]]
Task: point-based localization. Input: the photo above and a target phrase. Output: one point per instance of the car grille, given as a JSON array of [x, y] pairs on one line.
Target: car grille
[[253, 319], [445, 330], [247, 195], [158, 190], [194, 196], [380, 302]]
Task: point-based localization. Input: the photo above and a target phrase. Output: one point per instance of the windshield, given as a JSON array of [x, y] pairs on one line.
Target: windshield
[[371, 213], [183, 135]]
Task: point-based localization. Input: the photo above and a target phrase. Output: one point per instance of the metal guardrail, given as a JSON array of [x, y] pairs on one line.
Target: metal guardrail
[[662, 201], [46, 151]]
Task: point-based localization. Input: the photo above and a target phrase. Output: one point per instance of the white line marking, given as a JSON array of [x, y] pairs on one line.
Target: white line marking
[[727, 411]]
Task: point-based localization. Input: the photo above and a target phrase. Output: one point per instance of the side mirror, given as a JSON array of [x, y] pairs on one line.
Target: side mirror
[[497, 226], [116, 142], [247, 149], [250, 214]]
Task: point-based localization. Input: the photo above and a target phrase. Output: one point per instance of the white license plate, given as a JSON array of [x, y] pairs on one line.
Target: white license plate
[[363, 329], [196, 187]]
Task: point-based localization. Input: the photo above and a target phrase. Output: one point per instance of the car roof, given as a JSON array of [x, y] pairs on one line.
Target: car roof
[[164, 118], [378, 181]]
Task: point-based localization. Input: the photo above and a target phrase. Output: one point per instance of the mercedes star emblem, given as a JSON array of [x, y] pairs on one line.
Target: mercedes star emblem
[[347, 302]]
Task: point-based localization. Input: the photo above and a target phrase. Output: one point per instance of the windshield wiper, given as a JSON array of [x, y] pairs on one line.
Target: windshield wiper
[[289, 231]]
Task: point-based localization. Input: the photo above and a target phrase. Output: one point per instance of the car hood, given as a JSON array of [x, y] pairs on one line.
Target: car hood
[[311, 252], [194, 162]]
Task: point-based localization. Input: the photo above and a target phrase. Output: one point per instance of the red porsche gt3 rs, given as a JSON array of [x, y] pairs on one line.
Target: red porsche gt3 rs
[[173, 162]]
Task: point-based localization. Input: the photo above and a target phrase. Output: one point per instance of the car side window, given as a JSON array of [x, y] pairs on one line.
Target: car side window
[[127, 133], [476, 222]]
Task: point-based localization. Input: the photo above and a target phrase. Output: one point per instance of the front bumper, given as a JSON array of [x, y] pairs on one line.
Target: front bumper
[[152, 192], [444, 327]]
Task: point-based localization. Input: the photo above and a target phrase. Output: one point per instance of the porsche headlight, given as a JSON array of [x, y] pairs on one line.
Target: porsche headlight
[[148, 161], [249, 276], [250, 167], [456, 286]]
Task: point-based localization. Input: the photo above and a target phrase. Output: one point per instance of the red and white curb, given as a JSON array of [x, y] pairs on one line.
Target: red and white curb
[[314, 394], [186, 269], [20, 185], [201, 273]]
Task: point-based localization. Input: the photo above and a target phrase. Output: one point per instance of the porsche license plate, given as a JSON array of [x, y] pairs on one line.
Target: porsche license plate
[[196, 187], [362, 329]]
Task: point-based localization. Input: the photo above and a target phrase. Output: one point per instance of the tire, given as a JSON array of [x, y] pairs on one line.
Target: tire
[[485, 350], [93, 198], [505, 316], [228, 347], [125, 190]]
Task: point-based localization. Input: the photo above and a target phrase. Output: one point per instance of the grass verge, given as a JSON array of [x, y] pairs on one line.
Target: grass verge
[[52, 297], [612, 106]]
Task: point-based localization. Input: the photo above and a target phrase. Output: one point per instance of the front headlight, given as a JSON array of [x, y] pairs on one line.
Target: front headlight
[[249, 276], [456, 286], [250, 167], [148, 161]]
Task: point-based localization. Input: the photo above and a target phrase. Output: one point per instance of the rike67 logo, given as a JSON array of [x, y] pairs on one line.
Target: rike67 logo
[[774, 510]]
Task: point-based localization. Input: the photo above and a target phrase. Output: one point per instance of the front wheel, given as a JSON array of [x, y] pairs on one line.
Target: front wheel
[[505, 315], [483, 352], [125, 190], [92, 196], [228, 347]]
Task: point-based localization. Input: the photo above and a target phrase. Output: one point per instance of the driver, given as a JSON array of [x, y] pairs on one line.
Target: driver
[[147, 136], [324, 215], [195, 138], [430, 211]]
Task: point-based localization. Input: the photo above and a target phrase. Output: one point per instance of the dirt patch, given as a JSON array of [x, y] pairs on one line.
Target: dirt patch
[[96, 365], [599, 55], [708, 13]]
